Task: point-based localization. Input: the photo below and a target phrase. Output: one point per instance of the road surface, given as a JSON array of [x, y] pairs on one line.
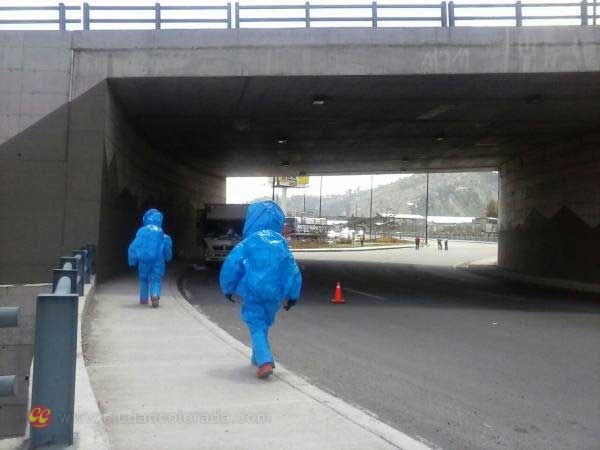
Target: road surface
[[460, 360]]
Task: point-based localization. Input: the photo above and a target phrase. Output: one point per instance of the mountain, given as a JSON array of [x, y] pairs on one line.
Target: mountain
[[450, 194]]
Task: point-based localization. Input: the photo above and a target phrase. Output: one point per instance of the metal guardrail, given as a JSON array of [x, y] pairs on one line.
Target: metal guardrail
[[55, 349], [444, 14], [9, 318]]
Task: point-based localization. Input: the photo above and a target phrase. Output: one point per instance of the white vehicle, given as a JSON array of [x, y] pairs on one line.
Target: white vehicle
[[222, 230]]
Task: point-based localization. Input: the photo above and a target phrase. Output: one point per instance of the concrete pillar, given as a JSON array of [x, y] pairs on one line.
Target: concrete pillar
[[550, 211]]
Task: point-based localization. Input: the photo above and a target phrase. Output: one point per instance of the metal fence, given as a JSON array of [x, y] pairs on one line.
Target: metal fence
[[9, 318], [55, 347], [444, 14]]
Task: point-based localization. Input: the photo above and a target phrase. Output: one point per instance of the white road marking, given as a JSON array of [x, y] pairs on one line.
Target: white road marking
[[366, 294]]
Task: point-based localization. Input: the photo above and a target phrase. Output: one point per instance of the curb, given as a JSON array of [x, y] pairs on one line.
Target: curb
[[362, 418], [499, 272], [92, 436], [350, 249]]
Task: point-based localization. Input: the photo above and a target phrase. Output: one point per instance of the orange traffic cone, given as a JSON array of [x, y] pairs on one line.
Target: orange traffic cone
[[338, 297]]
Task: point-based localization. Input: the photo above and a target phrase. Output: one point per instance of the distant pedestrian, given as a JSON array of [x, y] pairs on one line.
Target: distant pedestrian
[[439, 241], [446, 244], [417, 242]]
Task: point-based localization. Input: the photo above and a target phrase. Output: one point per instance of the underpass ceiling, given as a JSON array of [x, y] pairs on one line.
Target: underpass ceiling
[[275, 125]]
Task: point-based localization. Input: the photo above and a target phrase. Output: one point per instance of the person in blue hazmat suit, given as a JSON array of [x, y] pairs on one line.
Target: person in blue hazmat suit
[[149, 251], [262, 271]]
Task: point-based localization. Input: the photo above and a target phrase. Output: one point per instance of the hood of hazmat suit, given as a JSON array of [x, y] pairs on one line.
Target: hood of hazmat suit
[[151, 246], [262, 266], [153, 217]]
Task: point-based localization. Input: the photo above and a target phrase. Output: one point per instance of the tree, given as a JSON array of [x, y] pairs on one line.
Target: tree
[[491, 209]]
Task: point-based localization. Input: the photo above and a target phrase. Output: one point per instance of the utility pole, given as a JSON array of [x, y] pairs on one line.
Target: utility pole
[[371, 211], [320, 194], [426, 208], [273, 195], [304, 203]]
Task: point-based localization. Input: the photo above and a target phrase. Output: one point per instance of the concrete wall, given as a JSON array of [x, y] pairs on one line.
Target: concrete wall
[[550, 211], [16, 353], [341, 51], [35, 73], [49, 196], [83, 174]]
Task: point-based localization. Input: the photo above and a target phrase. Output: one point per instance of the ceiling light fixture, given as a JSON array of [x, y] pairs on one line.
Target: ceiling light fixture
[[435, 112], [318, 101], [282, 141], [533, 99]]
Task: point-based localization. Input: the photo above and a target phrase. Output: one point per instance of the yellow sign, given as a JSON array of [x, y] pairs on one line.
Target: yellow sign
[[301, 181]]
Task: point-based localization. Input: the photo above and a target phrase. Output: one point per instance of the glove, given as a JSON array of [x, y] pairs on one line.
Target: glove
[[289, 304], [230, 298]]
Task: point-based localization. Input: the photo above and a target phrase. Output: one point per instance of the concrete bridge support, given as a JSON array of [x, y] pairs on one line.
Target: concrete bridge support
[[550, 211], [82, 151]]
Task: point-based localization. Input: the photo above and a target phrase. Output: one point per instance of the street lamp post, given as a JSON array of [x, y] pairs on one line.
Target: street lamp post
[[371, 211], [426, 208], [273, 194], [320, 194]]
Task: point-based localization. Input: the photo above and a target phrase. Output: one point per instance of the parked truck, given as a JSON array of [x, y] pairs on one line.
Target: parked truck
[[220, 229]]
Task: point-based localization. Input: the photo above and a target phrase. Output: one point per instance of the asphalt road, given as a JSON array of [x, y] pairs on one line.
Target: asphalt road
[[461, 361]]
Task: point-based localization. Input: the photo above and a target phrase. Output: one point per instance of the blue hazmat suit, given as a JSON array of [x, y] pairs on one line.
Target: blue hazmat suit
[[150, 250], [262, 271]]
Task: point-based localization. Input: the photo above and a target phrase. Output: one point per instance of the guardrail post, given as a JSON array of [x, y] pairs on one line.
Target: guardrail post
[[55, 353], [9, 316], [57, 274], [584, 12], [91, 249], [86, 16], [77, 265], [62, 17], [444, 14], [307, 14], [519, 14], [7, 385], [84, 272], [374, 14], [157, 16], [237, 15], [451, 18], [229, 15]]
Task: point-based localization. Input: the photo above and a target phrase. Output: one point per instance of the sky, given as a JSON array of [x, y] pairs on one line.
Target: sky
[[245, 189]]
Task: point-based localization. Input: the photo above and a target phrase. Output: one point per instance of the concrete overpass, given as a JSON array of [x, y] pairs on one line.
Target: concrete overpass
[[96, 126]]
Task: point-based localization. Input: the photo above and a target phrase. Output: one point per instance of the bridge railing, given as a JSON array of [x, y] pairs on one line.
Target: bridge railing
[[307, 14], [371, 14], [224, 12], [59, 11]]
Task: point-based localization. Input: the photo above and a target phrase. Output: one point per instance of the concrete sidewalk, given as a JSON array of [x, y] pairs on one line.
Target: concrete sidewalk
[[352, 249], [173, 365]]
